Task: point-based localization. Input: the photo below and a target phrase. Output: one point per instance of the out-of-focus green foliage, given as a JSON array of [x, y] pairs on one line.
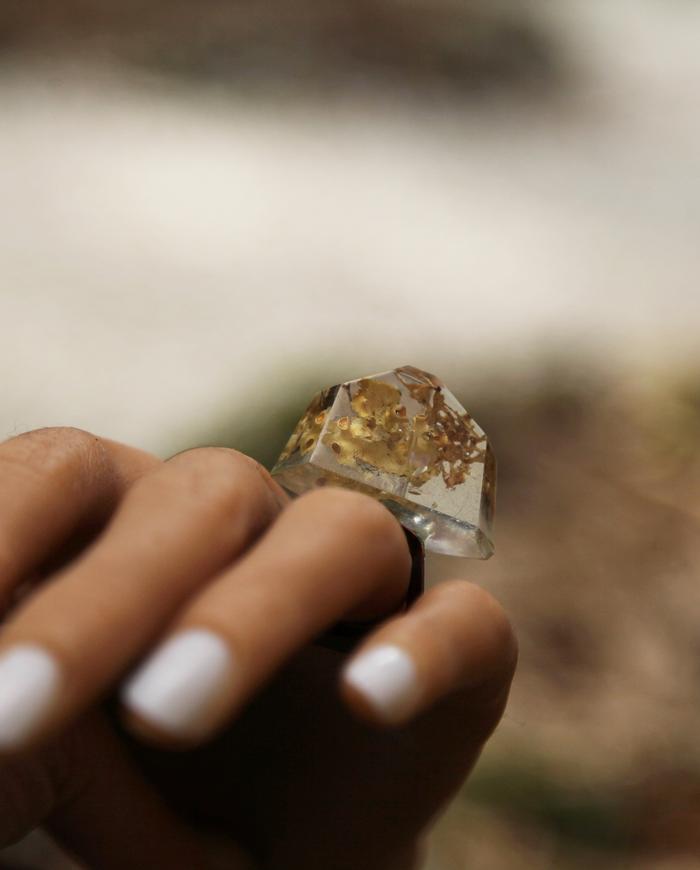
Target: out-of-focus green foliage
[[528, 790]]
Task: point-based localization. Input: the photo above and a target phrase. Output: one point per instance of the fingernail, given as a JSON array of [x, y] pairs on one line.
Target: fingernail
[[184, 686], [385, 676], [29, 682]]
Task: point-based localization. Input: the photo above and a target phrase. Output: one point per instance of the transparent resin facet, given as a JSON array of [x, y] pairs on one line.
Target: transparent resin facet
[[402, 437]]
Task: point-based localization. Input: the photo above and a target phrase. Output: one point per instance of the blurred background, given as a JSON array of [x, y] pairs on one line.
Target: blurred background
[[208, 211]]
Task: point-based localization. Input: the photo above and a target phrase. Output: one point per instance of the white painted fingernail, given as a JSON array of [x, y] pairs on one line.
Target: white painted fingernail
[[29, 682], [185, 685], [386, 677]]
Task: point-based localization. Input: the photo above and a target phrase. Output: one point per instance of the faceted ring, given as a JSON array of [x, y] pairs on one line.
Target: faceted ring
[[402, 437]]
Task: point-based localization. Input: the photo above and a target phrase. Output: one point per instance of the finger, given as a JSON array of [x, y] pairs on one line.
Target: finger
[[51, 482], [104, 812], [173, 530], [332, 552], [86, 790], [456, 637]]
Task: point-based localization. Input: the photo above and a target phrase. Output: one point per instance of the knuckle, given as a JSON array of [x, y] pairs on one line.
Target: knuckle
[[262, 473], [216, 487], [373, 521], [216, 476], [360, 516], [53, 450], [58, 435]]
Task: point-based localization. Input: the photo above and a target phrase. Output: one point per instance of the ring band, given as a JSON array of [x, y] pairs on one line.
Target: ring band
[[344, 636]]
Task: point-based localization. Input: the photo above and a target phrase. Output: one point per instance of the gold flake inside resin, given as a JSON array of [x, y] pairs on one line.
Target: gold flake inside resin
[[402, 437]]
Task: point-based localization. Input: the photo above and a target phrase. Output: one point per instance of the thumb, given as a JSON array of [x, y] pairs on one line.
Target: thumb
[[87, 792]]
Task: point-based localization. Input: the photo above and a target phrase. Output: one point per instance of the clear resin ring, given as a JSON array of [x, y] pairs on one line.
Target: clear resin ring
[[402, 437]]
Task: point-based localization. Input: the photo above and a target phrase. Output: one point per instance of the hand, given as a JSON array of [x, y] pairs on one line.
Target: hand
[[200, 574]]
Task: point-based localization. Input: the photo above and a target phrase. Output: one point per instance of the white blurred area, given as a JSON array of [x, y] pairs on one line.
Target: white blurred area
[[165, 250]]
